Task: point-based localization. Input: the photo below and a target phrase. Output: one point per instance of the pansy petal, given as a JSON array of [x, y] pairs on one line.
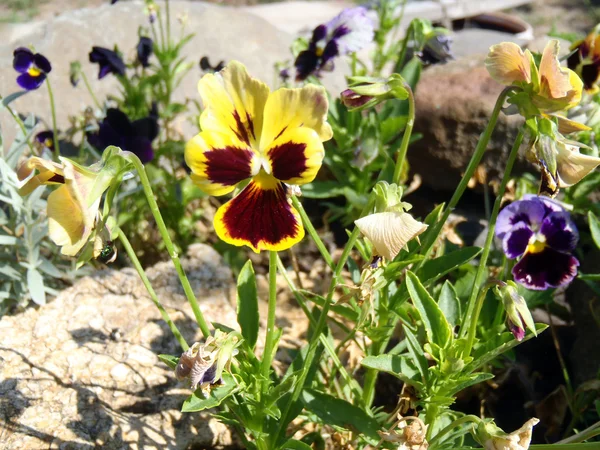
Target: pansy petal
[[549, 204], [508, 64], [545, 269], [29, 82], [389, 232], [567, 126], [23, 58], [351, 30], [573, 166], [515, 241], [530, 212], [287, 109], [296, 156], [560, 232], [555, 80], [49, 173], [260, 217], [42, 63], [219, 162], [234, 103], [66, 222]]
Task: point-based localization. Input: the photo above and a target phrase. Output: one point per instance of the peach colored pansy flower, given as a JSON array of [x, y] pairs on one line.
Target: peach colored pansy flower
[[270, 139]]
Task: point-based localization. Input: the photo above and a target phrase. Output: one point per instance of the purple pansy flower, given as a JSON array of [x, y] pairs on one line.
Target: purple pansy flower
[[348, 32], [109, 61], [45, 139], [136, 137], [32, 67], [540, 232], [144, 50], [206, 66]]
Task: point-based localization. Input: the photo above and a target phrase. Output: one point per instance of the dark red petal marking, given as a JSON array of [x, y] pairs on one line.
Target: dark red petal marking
[[229, 165], [288, 160], [250, 125], [548, 268], [242, 129], [257, 215]]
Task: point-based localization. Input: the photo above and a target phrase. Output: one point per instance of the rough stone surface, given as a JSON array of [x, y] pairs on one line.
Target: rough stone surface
[[454, 103], [81, 372]]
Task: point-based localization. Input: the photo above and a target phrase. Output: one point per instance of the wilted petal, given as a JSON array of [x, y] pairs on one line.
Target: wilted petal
[[48, 173], [554, 80], [260, 217], [389, 232], [68, 225], [508, 64], [573, 166]]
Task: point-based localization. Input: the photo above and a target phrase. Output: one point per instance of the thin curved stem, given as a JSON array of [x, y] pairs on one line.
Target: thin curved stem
[[462, 186], [22, 127], [267, 358], [140, 270], [89, 88], [474, 305], [401, 157], [164, 232], [54, 126], [453, 425], [313, 233]]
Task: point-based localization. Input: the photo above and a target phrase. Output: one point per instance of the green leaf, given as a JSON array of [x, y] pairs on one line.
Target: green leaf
[[396, 365], [247, 304], [417, 354], [197, 401], [594, 228], [170, 360], [322, 189], [450, 304], [11, 98], [465, 381], [338, 412], [436, 326], [296, 445], [438, 267], [35, 284], [7, 240]]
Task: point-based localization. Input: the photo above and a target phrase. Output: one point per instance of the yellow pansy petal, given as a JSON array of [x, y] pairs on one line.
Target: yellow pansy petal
[[389, 232], [508, 64], [566, 126], [573, 166], [554, 79], [260, 217], [234, 103], [219, 162], [66, 222], [296, 156], [287, 109], [48, 173]]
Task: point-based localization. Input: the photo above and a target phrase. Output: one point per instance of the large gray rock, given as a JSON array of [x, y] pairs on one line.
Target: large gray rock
[[81, 372], [220, 32]]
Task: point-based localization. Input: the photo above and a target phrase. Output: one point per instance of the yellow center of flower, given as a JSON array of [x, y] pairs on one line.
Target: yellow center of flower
[[48, 142], [34, 71], [319, 51], [265, 181], [536, 245]]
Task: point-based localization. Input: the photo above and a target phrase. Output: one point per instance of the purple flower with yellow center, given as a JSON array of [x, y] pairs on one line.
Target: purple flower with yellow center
[[137, 136], [348, 32], [540, 232], [45, 139], [272, 139], [144, 49], [109, 61], [33, 68]]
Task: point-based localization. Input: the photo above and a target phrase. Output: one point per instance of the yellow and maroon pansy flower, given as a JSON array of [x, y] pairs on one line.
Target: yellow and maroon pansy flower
[[585, 60], [270, 139], [547, 89]]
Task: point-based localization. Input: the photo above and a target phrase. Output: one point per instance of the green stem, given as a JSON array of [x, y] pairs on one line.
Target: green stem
[[164, 232], [22, 127], [54, 127], [588, 433], [313, 233], [453, 425], [89, 88], [476, 302], [168, 22], [267, 358], [140, 270], [462, 186], [406, 138], [371, 377], [582, 446]]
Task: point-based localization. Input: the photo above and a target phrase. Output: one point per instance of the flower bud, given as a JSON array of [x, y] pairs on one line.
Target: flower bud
[[366, 92], [518, 317], [75, 73], [492, 437]]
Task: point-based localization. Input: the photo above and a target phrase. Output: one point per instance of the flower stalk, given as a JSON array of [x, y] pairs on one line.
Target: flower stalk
[[406, 138], [270, 337], [56, 152]]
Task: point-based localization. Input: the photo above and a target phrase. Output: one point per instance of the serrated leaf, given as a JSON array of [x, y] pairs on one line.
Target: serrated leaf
[[247, 304], [197, 401], [337, 412], [436, 326], [170, 360], [450, 304], [35, 284], [594, 228]]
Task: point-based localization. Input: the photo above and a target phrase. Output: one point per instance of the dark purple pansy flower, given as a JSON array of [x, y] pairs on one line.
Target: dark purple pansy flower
[[144, 50], [348, 32], [32, 67], [436, 50], [136, 137], [45, 139], [109, 61], [540, 232]]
